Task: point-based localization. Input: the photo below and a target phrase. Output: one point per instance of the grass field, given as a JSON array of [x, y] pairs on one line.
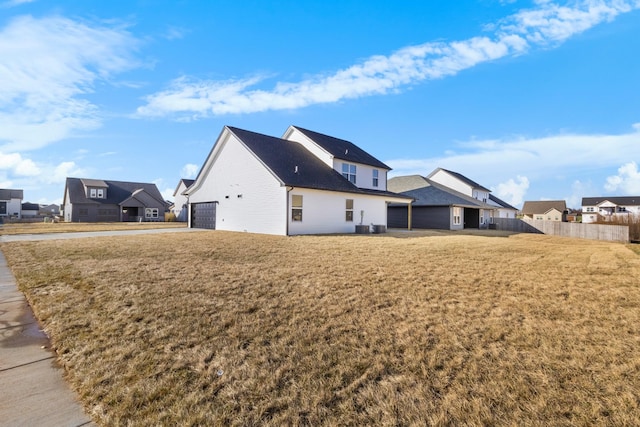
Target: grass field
[[219, 328]]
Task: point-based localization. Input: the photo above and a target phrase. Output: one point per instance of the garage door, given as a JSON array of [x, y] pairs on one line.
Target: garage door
[[203, 215]]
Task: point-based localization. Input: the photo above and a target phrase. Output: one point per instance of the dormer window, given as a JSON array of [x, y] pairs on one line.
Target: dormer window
[[349, 172], [100, 193], [97, 193], [93, 193]]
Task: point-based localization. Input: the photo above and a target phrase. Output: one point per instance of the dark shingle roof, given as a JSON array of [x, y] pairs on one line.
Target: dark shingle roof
[[30, 206], [501, 202], [341, 149], [117, 191], [461, 178], [187, 183], [430, 193], [8, 194], [618, 200], [296, 166], [543, 206]]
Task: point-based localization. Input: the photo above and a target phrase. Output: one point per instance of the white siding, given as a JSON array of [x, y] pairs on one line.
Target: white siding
[[179, 201], [249, 197], [325, 212], [446, 179], [293, 134], [14, 207], [364, 175]]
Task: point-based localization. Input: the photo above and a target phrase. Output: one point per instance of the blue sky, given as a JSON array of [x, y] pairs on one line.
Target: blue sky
[[533, 99]]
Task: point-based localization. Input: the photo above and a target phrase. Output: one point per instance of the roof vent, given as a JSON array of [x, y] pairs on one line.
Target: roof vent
[[295, 170], [346, 151]]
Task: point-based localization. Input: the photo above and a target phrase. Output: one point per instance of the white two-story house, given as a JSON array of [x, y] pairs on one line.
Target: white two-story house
[[303, 183], [595, 208]]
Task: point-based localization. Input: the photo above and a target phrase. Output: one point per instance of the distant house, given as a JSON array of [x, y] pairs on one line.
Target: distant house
[[10, 203], [595, 208], [49, 210], [302, 183], [29, 210], [504, 209], [545, 210], [95, 200], [444, 201], [180, 207]]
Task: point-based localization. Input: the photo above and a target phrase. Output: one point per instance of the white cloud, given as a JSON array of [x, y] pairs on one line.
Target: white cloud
[[492, 162], [14, 3], [627, 181], [513, 191], [189, 171], [16, 164], [62, 171], [46, 67], [546, 25]]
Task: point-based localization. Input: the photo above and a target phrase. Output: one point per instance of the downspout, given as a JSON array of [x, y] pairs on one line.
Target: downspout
[[286, 214]]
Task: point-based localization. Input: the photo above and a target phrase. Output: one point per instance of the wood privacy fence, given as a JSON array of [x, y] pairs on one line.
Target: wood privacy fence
[[614, 233]]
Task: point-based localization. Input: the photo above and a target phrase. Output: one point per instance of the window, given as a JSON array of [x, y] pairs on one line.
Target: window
[[349, 211], [151, 213], [296, 207], [349, 172], [481, 216], [375, 177], [457, 216], [3, 208], [590, 209], [100, 193], [92, 193], [622, 209]]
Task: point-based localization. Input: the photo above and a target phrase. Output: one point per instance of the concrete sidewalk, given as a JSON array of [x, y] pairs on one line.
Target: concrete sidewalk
[[32, 389]]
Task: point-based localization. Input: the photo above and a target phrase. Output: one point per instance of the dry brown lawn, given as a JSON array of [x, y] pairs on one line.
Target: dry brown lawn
[[75, 227], [219, 328]]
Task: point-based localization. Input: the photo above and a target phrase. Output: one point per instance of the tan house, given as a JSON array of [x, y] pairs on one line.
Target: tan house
[[545, 210]]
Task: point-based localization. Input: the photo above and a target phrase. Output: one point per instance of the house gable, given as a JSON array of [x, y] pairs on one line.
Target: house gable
[[346, 158], [460, 183]]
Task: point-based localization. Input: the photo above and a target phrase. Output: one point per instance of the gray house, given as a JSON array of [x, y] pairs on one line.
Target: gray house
[[95, 200], [10, 203], [436, 206]]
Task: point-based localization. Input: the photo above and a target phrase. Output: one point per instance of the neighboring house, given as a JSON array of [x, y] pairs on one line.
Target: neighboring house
[[545, 210], [609, 207], [504, 209], [303, 183], [49, 210], [29, 210], [437, 206], [180, 201], [10, 203], [95, 200]]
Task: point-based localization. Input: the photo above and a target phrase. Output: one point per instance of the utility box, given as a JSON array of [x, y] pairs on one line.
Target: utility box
[[362, 229], [379, 229]]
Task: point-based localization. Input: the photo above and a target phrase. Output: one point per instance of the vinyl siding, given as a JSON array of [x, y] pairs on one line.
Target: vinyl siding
[[249, 197], [324, 212]]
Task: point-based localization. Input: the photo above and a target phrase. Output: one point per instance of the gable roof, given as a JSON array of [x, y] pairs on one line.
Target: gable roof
[[429, 193], [543, 206], [461, 177], [618, 200], [342, 149], [187, 183], [501, 202], [117, 191], [8, 194], [293, 165]]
